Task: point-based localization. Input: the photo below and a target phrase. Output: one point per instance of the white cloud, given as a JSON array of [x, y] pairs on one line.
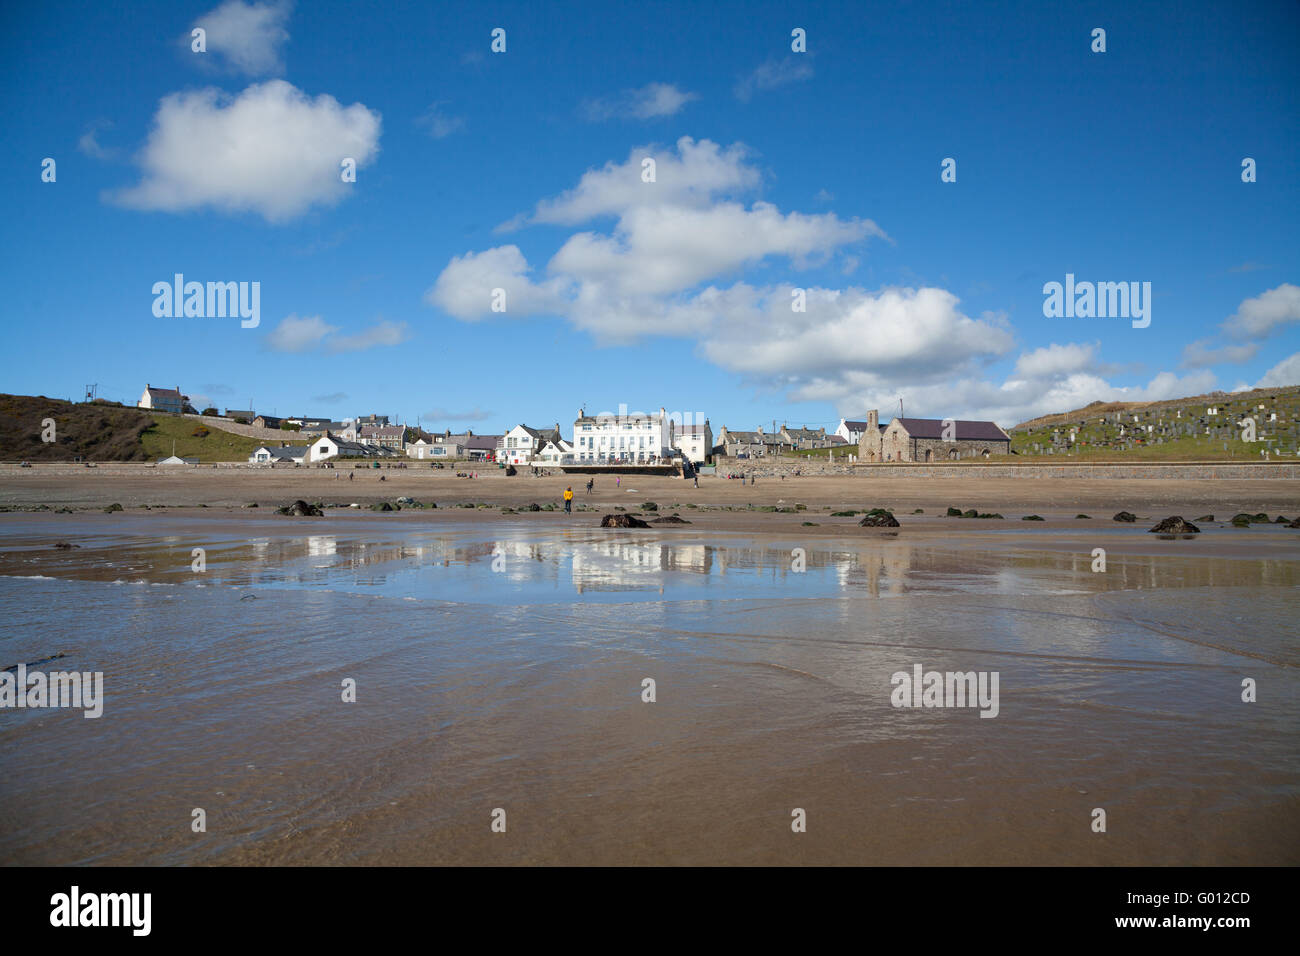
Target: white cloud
[[689, 178], [271, 150], [465, 288], [438, 124], [1285, 372], [89, 142], [295, 334], [382, 333], [649, 102], [1200, 354], [1259, 316], [312, 333], [247, 37], [675, 263], [772, 74]]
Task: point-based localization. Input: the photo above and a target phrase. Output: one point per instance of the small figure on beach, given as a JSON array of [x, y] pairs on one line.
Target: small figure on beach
[[618, 481], [697, 479], [568, 500], [591, 483]]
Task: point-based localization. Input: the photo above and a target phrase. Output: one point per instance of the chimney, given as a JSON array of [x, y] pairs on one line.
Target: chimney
[[873, 421], [760, 429]]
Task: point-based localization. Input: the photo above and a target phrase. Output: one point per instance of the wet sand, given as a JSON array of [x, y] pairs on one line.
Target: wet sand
[[499, 662]]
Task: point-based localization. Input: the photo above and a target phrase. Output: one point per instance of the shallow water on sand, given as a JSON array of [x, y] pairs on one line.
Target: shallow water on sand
[[501, 666]]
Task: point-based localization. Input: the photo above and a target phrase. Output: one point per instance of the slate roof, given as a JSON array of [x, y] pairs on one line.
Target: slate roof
[[965, 431]]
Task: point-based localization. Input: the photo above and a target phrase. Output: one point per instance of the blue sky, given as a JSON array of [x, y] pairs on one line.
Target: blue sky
[[775, 171]]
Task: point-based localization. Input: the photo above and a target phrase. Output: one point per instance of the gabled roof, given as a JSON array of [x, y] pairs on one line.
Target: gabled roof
[[965, 431], [482, 442], [382, 431], [163, 392], [855, 426], [692, 430]]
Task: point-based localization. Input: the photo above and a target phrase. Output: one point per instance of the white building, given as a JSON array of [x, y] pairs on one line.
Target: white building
[[851, 432], [638, 438], [695, 442], [163, 399], [521, 443], [269, 454], [328, 446], [441, 449], [555, 453]]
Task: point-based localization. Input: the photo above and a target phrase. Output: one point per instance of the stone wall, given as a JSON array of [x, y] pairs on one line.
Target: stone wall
[[274, 435], [1180, 471]]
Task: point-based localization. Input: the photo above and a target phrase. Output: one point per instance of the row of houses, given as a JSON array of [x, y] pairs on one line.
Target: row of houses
[[639, 438]]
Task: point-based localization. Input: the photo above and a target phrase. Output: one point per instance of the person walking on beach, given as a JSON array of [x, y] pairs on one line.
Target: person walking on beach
[[568, 500], [697, 479], [591, 483], [618, 482]]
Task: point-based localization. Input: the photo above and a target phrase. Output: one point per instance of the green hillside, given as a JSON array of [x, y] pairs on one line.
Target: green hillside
[[1173, 430], [103, 431]]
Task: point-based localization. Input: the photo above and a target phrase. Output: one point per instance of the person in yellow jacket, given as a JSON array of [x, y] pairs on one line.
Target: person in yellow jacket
[[568, 500]]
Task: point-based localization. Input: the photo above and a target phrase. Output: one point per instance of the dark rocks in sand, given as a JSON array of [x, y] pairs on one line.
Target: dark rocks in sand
[[969, 513], [1175, 525], [954, 513], [622, 521], [251, 504], [1294, 524], [65, 546], [113, 507], [1243, 519], [382, 506], [1082, 518], [1281, 519], [878, 518], [1127, 517], [1033, 518], [1205, 518], [300, 509], [669, 519]]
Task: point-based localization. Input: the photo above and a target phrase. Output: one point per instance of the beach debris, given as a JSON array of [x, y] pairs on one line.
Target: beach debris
[[878, 518], [622, 521], [109, 510], [300, 509], [1175, 525], [65, 546], [1126, 516]]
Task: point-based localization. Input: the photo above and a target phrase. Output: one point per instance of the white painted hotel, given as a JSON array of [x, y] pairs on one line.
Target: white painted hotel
[[637, 438]]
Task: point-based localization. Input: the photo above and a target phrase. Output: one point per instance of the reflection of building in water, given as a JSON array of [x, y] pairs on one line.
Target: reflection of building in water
[[616, 565], [321, 545]]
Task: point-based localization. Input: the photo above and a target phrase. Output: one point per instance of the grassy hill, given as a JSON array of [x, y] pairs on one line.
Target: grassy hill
[[103, 431], [1180, 429]]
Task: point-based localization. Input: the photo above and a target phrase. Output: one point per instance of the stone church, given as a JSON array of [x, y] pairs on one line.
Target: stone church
[[930, 439]]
